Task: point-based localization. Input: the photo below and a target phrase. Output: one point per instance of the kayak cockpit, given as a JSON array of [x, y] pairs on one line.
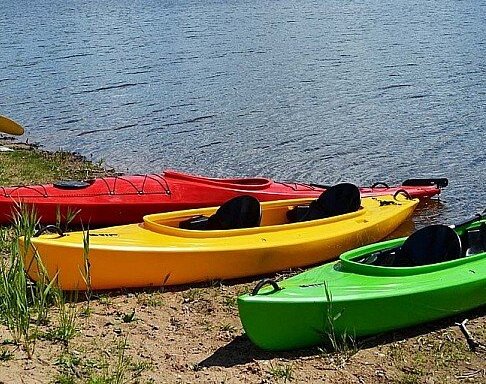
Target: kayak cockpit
[[255, 183], [245, 212], [429, 249], [274, 217]]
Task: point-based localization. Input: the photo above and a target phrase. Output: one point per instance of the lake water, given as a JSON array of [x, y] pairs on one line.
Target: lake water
[[318, 91]]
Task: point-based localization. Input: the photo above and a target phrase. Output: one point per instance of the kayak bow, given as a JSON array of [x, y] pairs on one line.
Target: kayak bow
[[10, 127]]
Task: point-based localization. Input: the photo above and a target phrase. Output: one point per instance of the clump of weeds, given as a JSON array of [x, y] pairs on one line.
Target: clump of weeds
[[25, 306]]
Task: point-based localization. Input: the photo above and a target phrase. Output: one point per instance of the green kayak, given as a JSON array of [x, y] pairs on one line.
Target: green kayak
[[437, 272]]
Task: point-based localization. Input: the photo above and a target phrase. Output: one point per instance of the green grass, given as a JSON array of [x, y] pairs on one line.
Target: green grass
[[26, 305], [152, 299], [66, 326], [29, 167], [5, 354], [340, 342], [192, 294], [18, 299], [282, 372], [111, 366], [230, 302], [228, 328]]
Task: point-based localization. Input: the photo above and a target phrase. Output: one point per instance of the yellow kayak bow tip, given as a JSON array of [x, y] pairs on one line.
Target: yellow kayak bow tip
[[10, 127]]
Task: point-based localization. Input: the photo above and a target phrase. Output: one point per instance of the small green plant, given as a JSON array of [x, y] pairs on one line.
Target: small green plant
[[284, 372], [395, 352], [105, 299], [68, 360], [118, 373], [191, 295], [340, 342], [4, 240], [63, 221], [207, 325], [153, 300], [86, 273], [128, 317], [5, 354], [66, 328], [65, 378], [228, 328], [230, 302], [408, 378], [69, 364]]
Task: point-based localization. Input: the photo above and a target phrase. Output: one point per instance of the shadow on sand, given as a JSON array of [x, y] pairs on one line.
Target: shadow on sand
[[241, 351]]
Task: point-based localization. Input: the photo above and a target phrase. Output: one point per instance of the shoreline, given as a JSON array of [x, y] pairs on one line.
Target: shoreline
[[192, 333], [19, 165]]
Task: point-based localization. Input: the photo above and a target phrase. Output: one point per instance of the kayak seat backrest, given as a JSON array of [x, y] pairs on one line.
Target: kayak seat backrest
[[338, 200], [239, 212], [429, 245], [297, 213], [474, 240]]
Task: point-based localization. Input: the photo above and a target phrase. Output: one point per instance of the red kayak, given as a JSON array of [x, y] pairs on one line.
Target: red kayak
[[126, 199]]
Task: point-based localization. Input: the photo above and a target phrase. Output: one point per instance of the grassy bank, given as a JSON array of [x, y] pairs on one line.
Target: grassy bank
[[28, 164], [186, 334]]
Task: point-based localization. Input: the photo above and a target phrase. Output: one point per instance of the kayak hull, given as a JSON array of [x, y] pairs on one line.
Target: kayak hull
[[126, 199], [345, 299], [158, 253]]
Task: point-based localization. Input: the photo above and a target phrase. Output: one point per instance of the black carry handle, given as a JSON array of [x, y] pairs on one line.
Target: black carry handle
[[441, 182], [264, 282], [52, 228], [402, 192]]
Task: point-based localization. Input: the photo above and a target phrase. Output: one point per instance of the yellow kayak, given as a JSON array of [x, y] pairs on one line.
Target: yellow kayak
[[9, 126], [158, 252]]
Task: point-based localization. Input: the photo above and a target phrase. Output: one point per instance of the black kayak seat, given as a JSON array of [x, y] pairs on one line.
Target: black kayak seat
[[337, 200], [239, 212], [195, 223], [429, 245], [297, 213]]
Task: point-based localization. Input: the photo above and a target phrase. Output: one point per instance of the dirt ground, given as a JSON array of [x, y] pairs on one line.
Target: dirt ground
[[193, 335]]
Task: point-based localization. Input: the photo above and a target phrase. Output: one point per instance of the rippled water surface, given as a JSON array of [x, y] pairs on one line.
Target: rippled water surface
[[318, 91]]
